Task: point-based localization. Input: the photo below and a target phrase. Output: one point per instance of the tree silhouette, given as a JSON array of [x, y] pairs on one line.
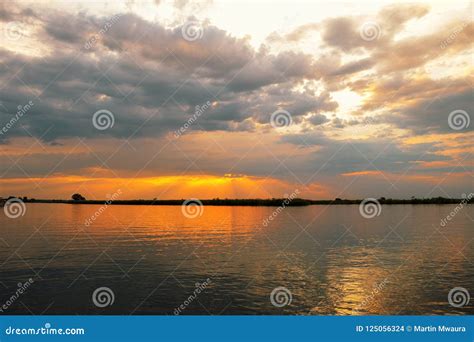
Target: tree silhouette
[[78, 197]]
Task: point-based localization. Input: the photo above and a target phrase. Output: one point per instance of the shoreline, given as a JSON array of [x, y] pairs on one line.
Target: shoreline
[[274, 202]]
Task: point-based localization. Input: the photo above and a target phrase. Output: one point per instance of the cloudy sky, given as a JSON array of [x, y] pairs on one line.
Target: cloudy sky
[[177, 99]]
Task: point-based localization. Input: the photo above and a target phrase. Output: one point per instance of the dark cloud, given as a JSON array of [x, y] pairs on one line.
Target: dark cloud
[[150, 78], [432, 115], [64, 29], [342, 33], [355, 155], [318, 119]]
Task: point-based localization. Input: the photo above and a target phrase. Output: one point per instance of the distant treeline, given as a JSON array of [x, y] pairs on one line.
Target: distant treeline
[[273, 202]]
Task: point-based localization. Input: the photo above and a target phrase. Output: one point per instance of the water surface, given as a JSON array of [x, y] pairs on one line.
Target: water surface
[[331, 259]]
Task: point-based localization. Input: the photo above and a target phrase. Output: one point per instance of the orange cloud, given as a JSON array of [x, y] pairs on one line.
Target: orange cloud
[[362, 173]]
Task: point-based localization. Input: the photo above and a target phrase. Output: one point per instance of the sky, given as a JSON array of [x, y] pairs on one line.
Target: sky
[[236, 99]]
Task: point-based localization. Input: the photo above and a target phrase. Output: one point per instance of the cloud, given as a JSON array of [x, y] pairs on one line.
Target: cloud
[[353, 67], [353, 155], [432, 115], [318, 119], [347, 33], [150, 78], [297, 34]]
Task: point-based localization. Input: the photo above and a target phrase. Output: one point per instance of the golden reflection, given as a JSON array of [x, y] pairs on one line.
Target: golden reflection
[[358, 281]]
